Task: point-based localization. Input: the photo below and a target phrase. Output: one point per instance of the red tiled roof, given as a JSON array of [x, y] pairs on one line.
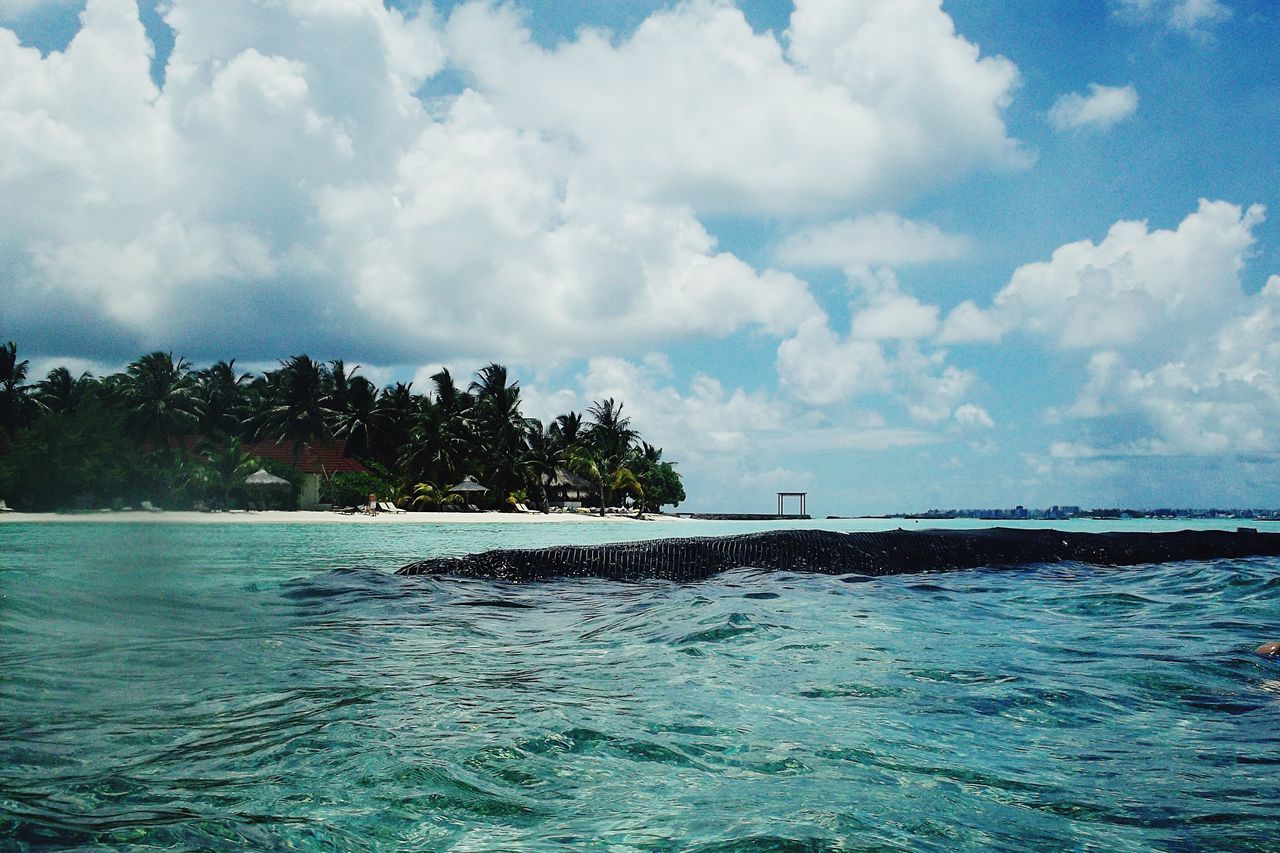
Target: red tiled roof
[[322, 457]]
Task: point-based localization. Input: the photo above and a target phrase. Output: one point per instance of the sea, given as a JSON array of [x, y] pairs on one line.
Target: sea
[[240, 686]]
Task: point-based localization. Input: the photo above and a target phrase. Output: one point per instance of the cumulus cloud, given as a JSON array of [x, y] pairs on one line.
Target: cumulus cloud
[[1181, 360], [1222, 397], [819, 368], [967, 323], [1143, 289], [887, 351], [1101, 109], [285, 188], [882, 239], [867, 101]]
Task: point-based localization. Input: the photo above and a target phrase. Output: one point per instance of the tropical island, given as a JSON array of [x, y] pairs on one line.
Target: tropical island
[[164, 435]]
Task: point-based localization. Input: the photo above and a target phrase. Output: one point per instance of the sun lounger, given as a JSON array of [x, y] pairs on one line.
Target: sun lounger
[[388, 506], [4, 507], [150, 507]]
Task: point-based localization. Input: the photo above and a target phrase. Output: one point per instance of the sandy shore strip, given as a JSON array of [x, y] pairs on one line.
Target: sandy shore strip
[[317, 517]]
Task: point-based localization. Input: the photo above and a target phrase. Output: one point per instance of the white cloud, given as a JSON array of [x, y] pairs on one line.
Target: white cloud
[[1101, 109], [967, 323], [868, 102], [882, 239], [285, 182], [1141, 289], [285, 169], [1221, 397], [886, 352], [970, 415], [730, 443], [1182, 362], [818, 368], [1194, 17]]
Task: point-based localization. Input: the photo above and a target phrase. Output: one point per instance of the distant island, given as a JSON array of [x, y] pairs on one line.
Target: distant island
[[164, 435], [1058, 513]]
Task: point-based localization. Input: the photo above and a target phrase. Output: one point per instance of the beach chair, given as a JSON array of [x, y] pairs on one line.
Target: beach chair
[[150, 507], [388, 506], [4, 507]]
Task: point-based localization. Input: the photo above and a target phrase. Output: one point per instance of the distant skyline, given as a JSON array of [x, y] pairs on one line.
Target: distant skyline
[[899, 254]]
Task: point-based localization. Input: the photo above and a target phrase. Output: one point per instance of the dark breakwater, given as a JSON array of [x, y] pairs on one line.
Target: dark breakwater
[[877, 553]]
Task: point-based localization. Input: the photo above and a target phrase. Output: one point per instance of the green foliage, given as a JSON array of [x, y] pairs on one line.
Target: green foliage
[[16, 407], [353, 489], [70, 441], [662, 486], [222, 472], [279, 498], [85, 459], [160, 398]]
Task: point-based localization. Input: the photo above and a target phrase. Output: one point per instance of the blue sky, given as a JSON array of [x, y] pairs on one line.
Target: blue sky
[[901, 254]]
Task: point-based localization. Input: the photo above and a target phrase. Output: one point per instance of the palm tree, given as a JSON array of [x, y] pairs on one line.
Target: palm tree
[[298, 406], [15, 405], [609, 431], [439, 444], [160, 399], [544, 454], [400, 408], [362, 417], [587, 462], [608, 441], [226, 465], [430, 495], [452, 400], [499, 426], [625, 481], [225, 398], [567, 429], [61, 394]]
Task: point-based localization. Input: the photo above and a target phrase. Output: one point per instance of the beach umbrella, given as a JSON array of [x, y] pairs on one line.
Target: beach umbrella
[[263, 477], [469, 485]]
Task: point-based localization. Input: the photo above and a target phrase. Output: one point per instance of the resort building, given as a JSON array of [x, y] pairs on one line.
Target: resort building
[[315, 461]]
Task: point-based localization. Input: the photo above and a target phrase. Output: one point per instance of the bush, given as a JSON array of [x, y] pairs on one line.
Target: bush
[[84, 459], [353, 489]]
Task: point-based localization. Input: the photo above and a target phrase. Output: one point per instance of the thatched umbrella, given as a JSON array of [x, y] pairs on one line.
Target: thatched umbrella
[[264, 480], [469, 486]]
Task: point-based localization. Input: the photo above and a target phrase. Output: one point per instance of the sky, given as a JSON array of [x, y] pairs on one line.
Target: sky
[[899, 254]]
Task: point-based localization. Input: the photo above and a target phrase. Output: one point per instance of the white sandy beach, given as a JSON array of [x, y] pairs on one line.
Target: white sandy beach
[[317, 517]]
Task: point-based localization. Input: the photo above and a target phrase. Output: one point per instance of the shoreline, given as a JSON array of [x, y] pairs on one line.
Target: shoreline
[[315, 517]]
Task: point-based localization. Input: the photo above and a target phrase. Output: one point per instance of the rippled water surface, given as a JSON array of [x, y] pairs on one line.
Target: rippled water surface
[[266, 686]]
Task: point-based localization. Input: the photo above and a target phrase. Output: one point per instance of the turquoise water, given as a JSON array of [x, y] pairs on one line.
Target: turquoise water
[[221, 687]]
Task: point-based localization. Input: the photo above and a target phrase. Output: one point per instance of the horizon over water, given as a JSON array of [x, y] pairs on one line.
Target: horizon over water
[[228, 686]]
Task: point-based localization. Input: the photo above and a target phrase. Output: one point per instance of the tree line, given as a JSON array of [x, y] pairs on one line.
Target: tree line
[[164, 431]]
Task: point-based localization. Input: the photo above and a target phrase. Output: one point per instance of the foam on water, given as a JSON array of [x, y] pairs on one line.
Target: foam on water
[[222, 687]]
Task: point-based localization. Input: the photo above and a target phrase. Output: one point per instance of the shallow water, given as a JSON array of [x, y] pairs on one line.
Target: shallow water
[[267, 686]]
